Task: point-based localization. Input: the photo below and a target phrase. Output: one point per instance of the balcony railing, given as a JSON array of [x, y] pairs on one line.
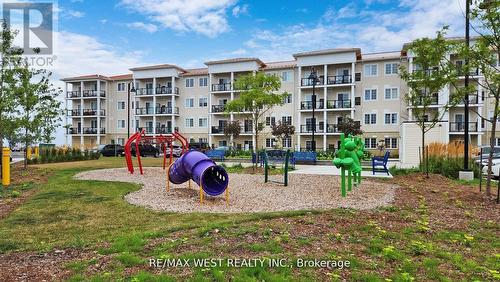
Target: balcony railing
[[338, 104], [247, 129], [217, 129], [74, 113], [461, 71], [93, 93], [73, 94], [145, 111], [460, 126], [74, 130], [144, 91], [92, 112], [308, 128], [167, 110], [163, 130], [218, 108], [309, 82], [86, 130], [308, 105], [221, 87], [339, 79], [332, 128], [166, 90], [434, 100]]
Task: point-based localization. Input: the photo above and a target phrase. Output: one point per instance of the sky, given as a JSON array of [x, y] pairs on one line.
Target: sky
[[109, 37]]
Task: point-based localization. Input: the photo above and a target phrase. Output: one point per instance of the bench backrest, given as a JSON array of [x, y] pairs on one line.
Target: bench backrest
[[215, 153], [386, 156], [304, 156]]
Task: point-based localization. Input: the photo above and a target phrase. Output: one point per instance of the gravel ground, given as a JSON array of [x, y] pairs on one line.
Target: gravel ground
[[248, 193]]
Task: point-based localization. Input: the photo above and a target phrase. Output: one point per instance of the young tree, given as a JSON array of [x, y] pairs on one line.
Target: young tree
[[258, 96], [483, 55], [349, 126], [232, 129], [282, 131], [432, 73]]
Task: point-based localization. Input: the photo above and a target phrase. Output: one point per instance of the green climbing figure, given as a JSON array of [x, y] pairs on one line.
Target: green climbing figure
[[348, 158]]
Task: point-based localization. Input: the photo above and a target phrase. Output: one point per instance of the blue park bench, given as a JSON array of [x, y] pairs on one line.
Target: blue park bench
[[381, 162], [216, 154], [303, 157]]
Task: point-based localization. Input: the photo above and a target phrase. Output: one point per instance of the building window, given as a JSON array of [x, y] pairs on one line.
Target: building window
[[202, 122], [121, 124], [391, 118], [286, 76], [391, 143], [371, 70], [287, 142], [121, 105], [286, 120], [287, 99], [270, 121], [370, 94], [270, 142], [222, 143], [203, 102], [190, 122], [121, 87], [189, 103], [203, 81], [189, 82], [391, 93], [391, 68], [497, 141], [370, 118], [370, 143], [121, 141]]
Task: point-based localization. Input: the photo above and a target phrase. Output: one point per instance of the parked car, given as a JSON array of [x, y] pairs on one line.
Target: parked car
[[98, 149], [177, 151], [112, 150], [146, 150], [198, 146], [486, 152], [495, 160], [495, 170]]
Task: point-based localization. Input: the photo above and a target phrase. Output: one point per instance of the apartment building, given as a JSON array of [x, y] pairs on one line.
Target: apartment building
[[365, 87]]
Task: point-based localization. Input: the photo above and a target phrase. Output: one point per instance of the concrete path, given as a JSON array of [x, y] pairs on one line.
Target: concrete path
[[332, 170]]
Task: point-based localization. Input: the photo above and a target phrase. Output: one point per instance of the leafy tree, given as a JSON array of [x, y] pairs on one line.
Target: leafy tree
[[349, 126], [282, 131], [258, 96], [432, 73], [232, 129], [11, 131]]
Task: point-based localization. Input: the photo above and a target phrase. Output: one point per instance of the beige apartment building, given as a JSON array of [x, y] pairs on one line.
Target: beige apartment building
[[365, 87]]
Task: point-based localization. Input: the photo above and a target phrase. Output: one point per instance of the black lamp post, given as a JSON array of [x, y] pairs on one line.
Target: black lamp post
[[314, 78], [466, 85], [130, 90]]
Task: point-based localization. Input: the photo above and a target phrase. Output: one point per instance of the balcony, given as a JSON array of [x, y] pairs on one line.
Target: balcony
[[162, 90], [93, 93], [92, 112], [338, 104], [309, 82], [461, 71], [460, 126], [74, 113], [221, 87], [217, 129], [218, 108], [339, 79], [308, 128], [73, 94], [332, 128], [163, 130], [163, 110], [247, 130], [86, 130], [143, 91], [145, 111], [147, 130], [433, 101], [308, 105]]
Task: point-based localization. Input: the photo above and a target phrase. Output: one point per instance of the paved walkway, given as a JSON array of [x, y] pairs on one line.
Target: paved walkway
[[332, 170]]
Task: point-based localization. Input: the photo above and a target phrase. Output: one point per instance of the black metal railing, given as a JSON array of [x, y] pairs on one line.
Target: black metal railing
[[163, 130], [332, 128], [309, 82], [339, 79], [166, 90], [217, 129], [434, 100], [93, 112], [308, 105], [308, 128], [461, 71], [163, 110], [247, 129], [74, 113], [74, 130], [145, 111], [218, 108], [73, 94], [338, 104], [460, 126], [90, 130], [144, 91], [221, 87], [93, 93]]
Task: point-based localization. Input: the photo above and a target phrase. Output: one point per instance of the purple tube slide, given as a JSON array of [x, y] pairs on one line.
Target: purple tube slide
[[202, 170]]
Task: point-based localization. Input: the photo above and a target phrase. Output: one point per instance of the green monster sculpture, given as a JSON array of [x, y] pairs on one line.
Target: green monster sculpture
[[349, 157]]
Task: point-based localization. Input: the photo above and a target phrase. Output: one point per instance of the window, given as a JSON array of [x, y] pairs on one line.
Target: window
[[391, 93], [370, 94], [391, 68], [357, 101], [391, 143], [121, 141], [121, 86], [270, 142], [270, 121], [203, 102], [190, 122], [202, 122], [357, 76], [370, 118], [203, 81], [121, 105], [189, 82], [497, 141], [286, 120], [287, 99], [121, 123], [287, 142], [222, 143], [370, 143], [286, 76], [189, 103], [371, 70], [391, 118]]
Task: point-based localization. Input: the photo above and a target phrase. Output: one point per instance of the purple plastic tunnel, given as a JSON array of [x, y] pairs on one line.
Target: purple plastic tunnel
[[202, 170]]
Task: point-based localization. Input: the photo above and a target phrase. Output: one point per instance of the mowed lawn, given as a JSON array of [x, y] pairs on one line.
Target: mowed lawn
[[436, 230]]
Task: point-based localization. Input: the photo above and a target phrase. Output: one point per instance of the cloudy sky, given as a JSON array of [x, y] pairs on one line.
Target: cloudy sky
[[109, 37]]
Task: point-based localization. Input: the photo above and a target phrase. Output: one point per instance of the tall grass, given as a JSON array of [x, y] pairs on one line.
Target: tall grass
[[64, 154], [448, 159]]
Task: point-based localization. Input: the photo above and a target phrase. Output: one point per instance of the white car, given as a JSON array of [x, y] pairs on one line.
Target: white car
[[176, 149], [493, 162], [495, 170]]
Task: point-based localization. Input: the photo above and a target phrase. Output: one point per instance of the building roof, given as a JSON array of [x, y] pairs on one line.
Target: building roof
[[86, 77], [121, 77], [235, 60], [327, 51], [279, 65], [381, 56], [155, 67], [197, 71]]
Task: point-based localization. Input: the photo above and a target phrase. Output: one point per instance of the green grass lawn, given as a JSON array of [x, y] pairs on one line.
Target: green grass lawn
[[434, 231]]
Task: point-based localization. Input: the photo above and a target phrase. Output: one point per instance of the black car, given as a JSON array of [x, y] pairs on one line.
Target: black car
[[112, 150], [146, 150]]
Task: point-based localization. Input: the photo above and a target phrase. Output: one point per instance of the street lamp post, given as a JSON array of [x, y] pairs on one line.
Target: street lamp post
[[129, 90], [466, 85], [314, 78]]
